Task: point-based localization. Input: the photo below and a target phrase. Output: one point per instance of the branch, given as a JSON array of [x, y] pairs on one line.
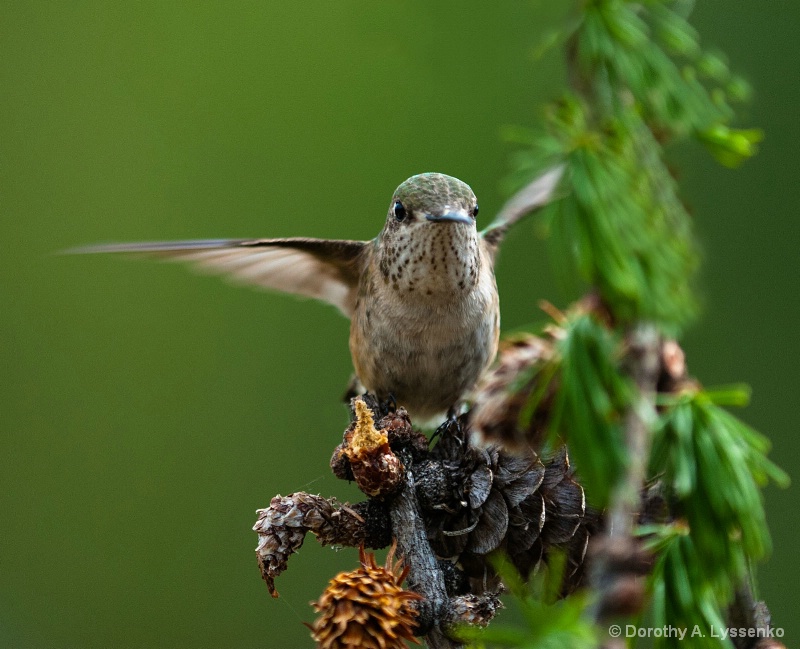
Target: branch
[[424, 575], [617, 556], [644, 366]]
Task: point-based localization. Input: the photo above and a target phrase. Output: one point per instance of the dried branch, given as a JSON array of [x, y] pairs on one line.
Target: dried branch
[[425, 576]]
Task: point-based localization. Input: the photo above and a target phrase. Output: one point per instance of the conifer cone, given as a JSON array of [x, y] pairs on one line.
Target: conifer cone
[[366, 608], [475, 610], [282, 528], [478, 499], [506, 390], [283, 525]]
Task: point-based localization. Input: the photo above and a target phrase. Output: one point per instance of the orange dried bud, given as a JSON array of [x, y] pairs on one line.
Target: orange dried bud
[[366, 438], [366, 608], [377, 470]]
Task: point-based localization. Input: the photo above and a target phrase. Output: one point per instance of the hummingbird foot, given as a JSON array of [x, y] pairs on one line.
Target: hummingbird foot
[[450, 426]]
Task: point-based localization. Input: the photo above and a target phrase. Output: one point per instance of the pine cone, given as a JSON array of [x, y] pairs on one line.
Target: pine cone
[[283, 525], [505, 391], [366, 608], [568, 524], [376, 469], [282, 528], [479, 499]]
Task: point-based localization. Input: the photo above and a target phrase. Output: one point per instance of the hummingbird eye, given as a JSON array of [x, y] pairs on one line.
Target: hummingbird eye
[[475, 211], [399, 211]]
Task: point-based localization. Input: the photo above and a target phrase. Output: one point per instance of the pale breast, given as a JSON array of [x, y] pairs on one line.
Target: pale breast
[[426, 350]]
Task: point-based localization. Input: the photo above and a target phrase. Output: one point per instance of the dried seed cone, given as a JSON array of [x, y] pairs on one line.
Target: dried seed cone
[[366, 608], [505, 391], [475, 610], [477, 499], [282, 528], [283, 525]]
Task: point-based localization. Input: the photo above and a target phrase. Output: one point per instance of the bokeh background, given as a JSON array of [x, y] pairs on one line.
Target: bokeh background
[[146, 412]]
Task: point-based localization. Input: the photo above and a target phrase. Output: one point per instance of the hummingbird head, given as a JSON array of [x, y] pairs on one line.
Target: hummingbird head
[[431, 198], [429, 245]]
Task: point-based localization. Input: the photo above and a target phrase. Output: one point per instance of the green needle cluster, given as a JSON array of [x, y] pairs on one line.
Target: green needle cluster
[[592, 394], [712, 465], [639, 81]]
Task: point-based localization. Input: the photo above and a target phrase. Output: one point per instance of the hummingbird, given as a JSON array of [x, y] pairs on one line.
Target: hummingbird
[[421, 296]]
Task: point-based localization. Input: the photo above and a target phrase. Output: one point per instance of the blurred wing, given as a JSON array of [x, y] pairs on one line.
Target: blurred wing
[[323, 269], [530, 198]]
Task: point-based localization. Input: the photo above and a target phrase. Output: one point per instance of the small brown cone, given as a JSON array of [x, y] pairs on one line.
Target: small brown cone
[[282, 528], [366, 608], [505, 393]]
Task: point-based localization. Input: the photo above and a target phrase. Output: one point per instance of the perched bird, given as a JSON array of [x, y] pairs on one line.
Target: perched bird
[[421, 296]]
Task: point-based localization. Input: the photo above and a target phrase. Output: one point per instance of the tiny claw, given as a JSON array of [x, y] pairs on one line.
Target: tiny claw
[[444, 427]]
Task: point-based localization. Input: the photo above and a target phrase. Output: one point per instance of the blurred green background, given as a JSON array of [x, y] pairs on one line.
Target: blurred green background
[[147, 412]]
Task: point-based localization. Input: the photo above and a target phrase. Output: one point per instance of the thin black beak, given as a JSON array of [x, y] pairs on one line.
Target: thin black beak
[[457, 217]]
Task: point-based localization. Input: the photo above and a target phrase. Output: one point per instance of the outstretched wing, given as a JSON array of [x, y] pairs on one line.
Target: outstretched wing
[[323, 269], [536, 194]]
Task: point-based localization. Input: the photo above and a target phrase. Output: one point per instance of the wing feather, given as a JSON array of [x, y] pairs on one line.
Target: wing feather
[[322, 269], [530, 198]]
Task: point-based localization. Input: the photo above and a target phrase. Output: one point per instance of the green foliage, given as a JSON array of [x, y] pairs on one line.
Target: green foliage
[[712, 465], [548, 623], [647, 55], [730, 146], [680, 599], [630, 53], [589, 393], [622, 224], [640, 79], [592, 394]]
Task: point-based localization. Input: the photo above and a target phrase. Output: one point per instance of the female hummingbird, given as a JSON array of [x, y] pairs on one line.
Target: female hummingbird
[[421, 296]]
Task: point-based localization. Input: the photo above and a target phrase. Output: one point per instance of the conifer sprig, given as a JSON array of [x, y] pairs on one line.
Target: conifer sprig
[[639, 81], [712, 466], [591, 395]]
